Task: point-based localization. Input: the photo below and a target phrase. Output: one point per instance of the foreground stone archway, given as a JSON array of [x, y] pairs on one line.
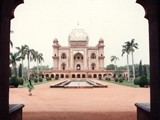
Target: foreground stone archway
[[152, 8]]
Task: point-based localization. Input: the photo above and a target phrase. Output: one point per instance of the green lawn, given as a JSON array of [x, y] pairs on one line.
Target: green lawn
[[26, 82], [125, 83]]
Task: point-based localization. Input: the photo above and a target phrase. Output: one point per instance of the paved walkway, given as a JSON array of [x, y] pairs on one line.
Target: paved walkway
[[80, 104]]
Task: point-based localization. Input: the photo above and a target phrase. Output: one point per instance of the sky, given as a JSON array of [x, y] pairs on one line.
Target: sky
[[38, 22]]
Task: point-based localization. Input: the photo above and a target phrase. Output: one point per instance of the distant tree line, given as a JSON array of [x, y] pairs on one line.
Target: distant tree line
[[139, 69]]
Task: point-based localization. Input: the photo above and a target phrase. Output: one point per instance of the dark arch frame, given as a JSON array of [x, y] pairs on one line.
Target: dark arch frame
[[93, 66], [95, 76], [78, 75], [52, 75], [63, 66], [46, 75], [78, 67], [67, 75], [63, 56], [152, 8], [62, 76], [73, 76], [83, 75], [93, 56]]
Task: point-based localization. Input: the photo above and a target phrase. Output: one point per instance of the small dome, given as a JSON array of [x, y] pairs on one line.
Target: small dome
[[101, 39], [78, 35], [55, 40]]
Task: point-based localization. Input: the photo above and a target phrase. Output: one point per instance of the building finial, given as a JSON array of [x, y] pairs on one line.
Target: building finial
[[77, 25]]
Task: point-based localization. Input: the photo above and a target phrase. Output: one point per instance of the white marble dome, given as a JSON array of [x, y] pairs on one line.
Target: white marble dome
[[78, 35]]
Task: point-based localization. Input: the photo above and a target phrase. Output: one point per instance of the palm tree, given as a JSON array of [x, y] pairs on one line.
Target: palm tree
[[39, 58], [133, 46], [30, 56], [14, 57], [126, 49], [23, 52], [114, 58]]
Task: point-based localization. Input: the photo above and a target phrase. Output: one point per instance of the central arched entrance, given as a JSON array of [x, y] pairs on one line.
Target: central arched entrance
[[78, 61], [78, 67]]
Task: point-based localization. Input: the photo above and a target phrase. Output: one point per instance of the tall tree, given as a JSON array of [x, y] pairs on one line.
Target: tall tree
[[144, 70], [30, 56], [114, 58], [110, 67], [20, 70], [38, 57], [125, 49], [140, 68], [14, 57], [132, 48], [22, 51]]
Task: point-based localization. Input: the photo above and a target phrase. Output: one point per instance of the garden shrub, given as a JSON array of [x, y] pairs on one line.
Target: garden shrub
[[136, 81], [108, 79], [143, 81], [120, 80], [48, 78], [21, 81], [56, 78], [14, 81], [100, 78], [148, 81], [35, 80], [116, 79], [40, 79]]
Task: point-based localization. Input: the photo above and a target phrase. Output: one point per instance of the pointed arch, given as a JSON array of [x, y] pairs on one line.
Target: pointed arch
[[63, 56], [93, 56], [63, 66], [93, 66]]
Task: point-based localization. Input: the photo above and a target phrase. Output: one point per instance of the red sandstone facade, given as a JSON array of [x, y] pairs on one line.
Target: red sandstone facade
[[78, 59]]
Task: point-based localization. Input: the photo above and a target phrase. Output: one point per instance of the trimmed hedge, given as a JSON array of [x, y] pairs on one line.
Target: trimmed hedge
[[116, 79], [143, 81], [48, 78], [40, 80], [35, 80], [136, 81], [21, 80], [108, 79], [14, 81], [120, 80]]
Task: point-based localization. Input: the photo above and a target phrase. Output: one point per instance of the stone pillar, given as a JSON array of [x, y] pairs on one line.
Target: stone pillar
[[154, 42], [152, 8], [5, 16]]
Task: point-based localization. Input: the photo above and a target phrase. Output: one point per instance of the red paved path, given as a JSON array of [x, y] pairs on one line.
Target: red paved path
[[113, 103]]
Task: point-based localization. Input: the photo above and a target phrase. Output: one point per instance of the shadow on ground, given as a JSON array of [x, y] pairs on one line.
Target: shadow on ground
[[79, 115]]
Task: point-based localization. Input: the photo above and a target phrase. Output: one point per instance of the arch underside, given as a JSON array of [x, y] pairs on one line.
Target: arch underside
[[15, 4], [144, 4]]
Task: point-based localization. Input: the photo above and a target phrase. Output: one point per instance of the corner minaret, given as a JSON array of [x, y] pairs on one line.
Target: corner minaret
[[101, 53], [55, 54]]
